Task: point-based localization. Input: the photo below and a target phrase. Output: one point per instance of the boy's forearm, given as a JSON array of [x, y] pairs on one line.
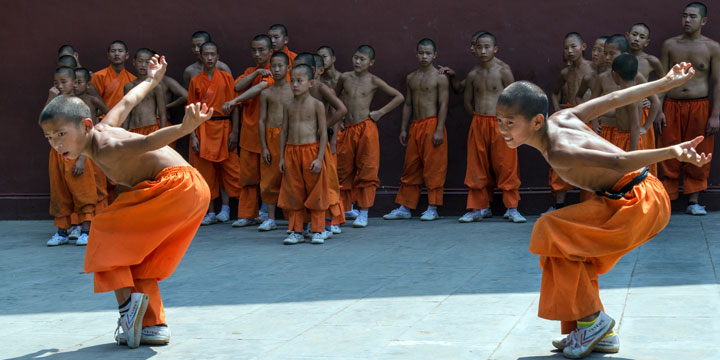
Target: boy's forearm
[[406, 113], [601, 105], [395, 102], [119, 112], [245, 82], [633, 160]]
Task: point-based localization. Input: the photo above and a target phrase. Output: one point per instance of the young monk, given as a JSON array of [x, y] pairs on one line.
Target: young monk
[[628, 117], [96, 104], [687, 108], [150, 114], [111, 80], [581, 241], [303, 140], [72, 180], [485, 150], [358, 145], [330, 77], [278, 34], [69, 50], [196, 40], [426, 102], [270, 120], [457, 85], [213, 144], [140, 238], [68, 61]]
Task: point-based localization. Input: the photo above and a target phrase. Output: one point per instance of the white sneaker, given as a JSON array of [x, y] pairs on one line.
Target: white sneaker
[[267, 225], [361, 221], [262, 217], [151, 335], [514, 216], [82, 240], [243, 222], [293, 239], [471, 216], [352, 214], [551, 208], [318, 239], [486, 213], [209, 219], [608, 344], [306, 233], [327, 234], [57, 239], [335, 229], [131, 322], [429, 215], [696, 209], [584, 340], [223, 216], [400, 213], [74, 233]]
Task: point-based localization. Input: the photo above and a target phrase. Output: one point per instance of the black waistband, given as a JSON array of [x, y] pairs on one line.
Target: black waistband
[[625, 189], [219, 118]]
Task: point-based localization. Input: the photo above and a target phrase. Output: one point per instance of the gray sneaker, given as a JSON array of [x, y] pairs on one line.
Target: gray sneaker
[[583, 340], [608, 344], [696, 209], [400, 213], [243, 222], [151, 335], [293, 239], [514, 216]]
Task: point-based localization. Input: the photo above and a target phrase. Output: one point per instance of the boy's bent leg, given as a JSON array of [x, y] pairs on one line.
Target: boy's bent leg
[[671, 135], [569, 289]]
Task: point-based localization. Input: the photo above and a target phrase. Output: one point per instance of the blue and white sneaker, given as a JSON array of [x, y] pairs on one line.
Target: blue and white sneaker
[[131, 322], [584, 340]]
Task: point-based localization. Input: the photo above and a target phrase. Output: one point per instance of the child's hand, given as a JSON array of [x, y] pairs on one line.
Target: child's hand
[[680, 74], [54, 92], [281, 165], [266, 156], [232, 140], [316, 166], [444, 70], [227, 107], [195, 114], [263, 72], [194, 143], [79, 167], [686, 152], [403, 138], [156, 67], [438, 137], [375, 115]]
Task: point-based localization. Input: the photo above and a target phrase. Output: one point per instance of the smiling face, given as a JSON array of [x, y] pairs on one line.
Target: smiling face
[[67, 138], [515, 129]]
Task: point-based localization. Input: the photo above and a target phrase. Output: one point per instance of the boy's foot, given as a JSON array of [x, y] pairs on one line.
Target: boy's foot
[[327, 234], [82, 240], [293, 239], [267, 225], [400, 213], [262, 216], [551, 208], [352, 214], [471, 216], [288, 231], [306, 233], [361, 221], [429, 215], [514, 216], [486, 213], [57, 239], [209, 219], [131, 322], [74, 233], [243, 222], [608, 344], [335, 229], [151, 335], [318, 238], [696, 209], [584, 340], [223, 216]]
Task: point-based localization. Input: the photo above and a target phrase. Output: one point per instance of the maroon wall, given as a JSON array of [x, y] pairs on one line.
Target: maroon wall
[[529, 37]]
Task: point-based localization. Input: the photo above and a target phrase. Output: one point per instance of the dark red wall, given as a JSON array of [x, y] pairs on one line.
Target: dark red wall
[[529, 37]]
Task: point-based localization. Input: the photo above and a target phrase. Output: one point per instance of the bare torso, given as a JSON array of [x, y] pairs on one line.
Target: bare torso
[[87, 99], [487, 84], [196, 68], [302, 120], [146, 112], [700, 54], [645, 64], [278, 96], [574, 76], [423, 87], [357, 94]]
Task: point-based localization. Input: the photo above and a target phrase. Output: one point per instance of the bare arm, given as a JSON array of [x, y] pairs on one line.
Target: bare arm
[[443, 95], [283, 139], [468, 94], [558, 90], [456, 85], [657, 66], [99, 105], [714, 121], [245, 82], [247, 95], [262, 118], [160, 103], [186, 78], [406, 113], [177, 90], [582, 89], [397, 99], [339, 107], [635, 125], [322, 125]]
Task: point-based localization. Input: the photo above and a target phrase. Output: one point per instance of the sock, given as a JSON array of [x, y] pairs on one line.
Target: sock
[[364, 213], [212, 213], [86, 232], [225, 209], [404, 209], [586, 324], [692, 203], [559, 205], [432, 207], [611, 333], [298, 233], [124, 307], [263, 208], [63, 233]]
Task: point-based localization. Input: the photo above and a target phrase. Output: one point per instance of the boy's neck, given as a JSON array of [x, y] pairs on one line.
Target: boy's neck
[[362, 73], [427, 68], [539, 139], [697, 35], [577, 63], [329, 72], [635, 52], [487, 64], [280, 82], [209, 71], [117, 68], [302, 96]]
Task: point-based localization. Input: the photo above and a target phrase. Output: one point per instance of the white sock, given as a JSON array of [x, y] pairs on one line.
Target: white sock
[[225, 209], [403, 208], [432, 207], [364, 213]]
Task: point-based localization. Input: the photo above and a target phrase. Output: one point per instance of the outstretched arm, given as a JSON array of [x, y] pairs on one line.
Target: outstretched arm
[[592, 109], [156, 70], [247, 95]]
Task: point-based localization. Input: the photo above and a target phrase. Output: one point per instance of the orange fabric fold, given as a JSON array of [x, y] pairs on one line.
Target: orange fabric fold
[[213, 134], [219, 174], [71, 194], [270, 175], [358, 150], [302, 189], [250, 133], [111, 85], [145, 130]]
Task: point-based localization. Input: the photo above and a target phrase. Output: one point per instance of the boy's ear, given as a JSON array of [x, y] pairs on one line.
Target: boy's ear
[[583, 47], [87, 124], [372, 62], [538, 121]]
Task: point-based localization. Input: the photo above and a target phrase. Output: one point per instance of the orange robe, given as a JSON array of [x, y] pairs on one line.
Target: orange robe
[[425, 164], [145, 130], [581, 241], [301, 189], [291, 55], [250, 149], [142, 236], [686, 119], [73, 199], [487, 150], [110, 84], [358, 149], [219, 166], [648, 139]]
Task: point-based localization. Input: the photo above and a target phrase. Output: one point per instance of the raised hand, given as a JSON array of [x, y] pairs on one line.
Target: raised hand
[[680, 74], [686, 152], [196, 114], [156, 67]]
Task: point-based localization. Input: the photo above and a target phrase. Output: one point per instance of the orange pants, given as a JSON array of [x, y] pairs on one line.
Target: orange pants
[[557, 183], [270, 176], [302, 189], [71, 194], [249, 181], [424, 163], [145, 130], [648, 139], [219, 174], [619, 138], [686, 120], [486, 150], [358, 149], [578, 242], [101, 188], [140, 239], [336, 211]]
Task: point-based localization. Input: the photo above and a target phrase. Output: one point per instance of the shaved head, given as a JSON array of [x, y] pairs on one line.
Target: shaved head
[[66, 50], [64, 70], [426, 42], [329, 49], [574, 35], [281, 56], [201, 35], [304, 69], [367, 50], [279, 27], [67, 60], [68, 107], [144, 51], [265, 38], [306, 59], [526, 98], [118, 42]]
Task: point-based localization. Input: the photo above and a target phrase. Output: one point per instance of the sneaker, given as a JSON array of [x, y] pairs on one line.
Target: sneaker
[[288, 231], [318, 238], [262, 217], [74, 233], [327, 234], [361, 221], [267, 225], [429, 215], [352, 214], [243, 222], [400, 213], [471, 216], [82, 240], [583, 340], [293, 239], [608, 344], [335, 229], [551, 208], [696, 209], [306, 233], [131, 322], [514, 216], [486, 213], [151, 335], [57, 239], [209, 219], [223, 216]]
